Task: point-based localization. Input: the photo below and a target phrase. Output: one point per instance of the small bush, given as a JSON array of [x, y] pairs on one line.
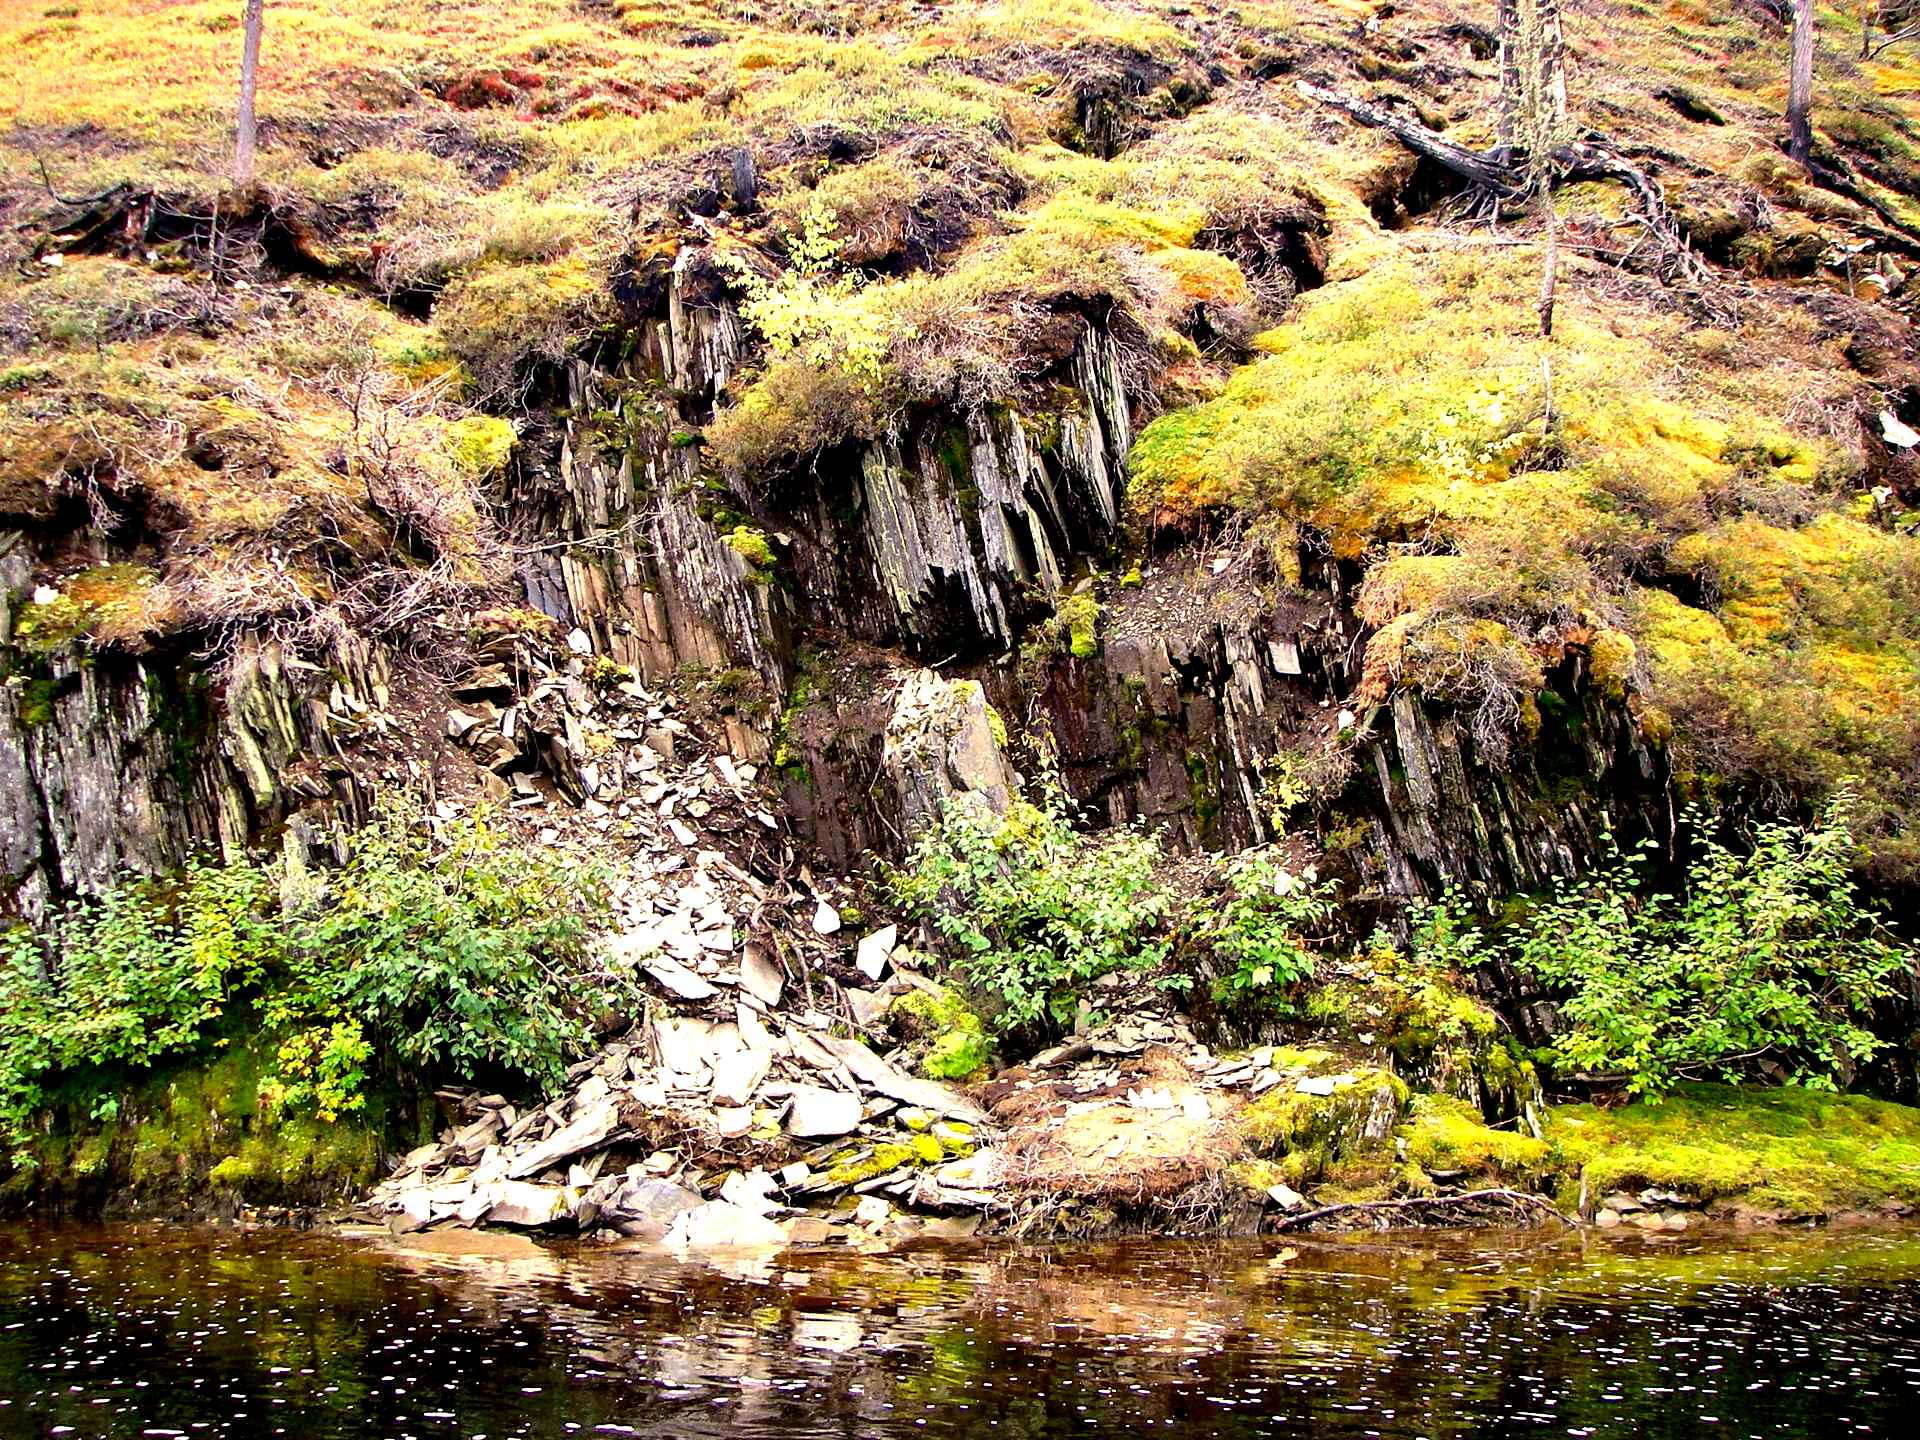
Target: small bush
[[455, 952], [1257, 932], [1032, 910], [129, 979], [1766, 965]]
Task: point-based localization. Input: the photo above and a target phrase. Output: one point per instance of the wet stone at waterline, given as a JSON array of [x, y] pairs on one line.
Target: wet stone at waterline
[[124, 1331]]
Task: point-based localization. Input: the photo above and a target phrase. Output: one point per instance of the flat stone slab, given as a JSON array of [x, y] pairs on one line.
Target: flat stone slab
[[819, 1112], [760, 977], [896, 1084], [677, 979], [876, 952], [737, 1076], [582, 1133]]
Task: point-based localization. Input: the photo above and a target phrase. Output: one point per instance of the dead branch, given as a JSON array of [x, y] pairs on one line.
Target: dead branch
[[1512, 1199], [1495, 173]]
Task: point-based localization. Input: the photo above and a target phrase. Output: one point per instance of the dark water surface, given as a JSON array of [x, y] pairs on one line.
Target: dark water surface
[[143, 1331]]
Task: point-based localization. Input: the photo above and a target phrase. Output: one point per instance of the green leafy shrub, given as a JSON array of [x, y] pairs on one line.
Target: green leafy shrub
[[449, 953], [1033, 910], [1766, 964], [1256, 932], [456, 952], [129, 979]]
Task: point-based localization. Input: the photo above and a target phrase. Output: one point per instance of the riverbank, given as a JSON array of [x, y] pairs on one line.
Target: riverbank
[[770, 1129]]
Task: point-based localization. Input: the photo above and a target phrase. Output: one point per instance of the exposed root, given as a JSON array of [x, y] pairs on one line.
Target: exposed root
[[1492, 173]]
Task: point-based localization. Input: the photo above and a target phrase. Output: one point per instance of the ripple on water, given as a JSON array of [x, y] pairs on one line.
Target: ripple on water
[[136, 1331]]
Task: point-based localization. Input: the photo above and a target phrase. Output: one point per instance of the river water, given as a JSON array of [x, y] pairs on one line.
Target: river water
[[155, 1331]]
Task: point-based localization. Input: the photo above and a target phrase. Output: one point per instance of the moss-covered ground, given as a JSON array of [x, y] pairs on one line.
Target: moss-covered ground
[[1788, 1152], [1745, 1152], [191, 1135]]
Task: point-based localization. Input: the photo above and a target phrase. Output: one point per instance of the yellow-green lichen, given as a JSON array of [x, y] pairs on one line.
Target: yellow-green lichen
[[751, 546], [481, 445]]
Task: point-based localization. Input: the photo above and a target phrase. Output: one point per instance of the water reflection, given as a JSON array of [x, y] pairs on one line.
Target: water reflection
[[125, 1331]]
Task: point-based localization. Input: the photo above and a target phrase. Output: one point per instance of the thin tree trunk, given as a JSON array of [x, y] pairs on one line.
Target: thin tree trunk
[[1550, 271], [1800, 86], [245, 133], [1509, 71], [1867, 7], [1553, 59]]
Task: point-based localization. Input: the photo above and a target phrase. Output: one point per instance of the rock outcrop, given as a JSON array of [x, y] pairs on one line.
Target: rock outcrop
[[115, 763]]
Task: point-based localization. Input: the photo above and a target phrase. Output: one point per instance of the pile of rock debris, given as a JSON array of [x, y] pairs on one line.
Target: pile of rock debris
[[713, 1121], [759, 1099]]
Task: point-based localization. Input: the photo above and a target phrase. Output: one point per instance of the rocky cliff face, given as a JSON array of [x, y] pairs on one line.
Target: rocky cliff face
[[117, 763], [899, 606], [891, 625]]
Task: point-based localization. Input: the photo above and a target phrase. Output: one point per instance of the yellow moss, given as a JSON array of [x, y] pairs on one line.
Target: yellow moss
[[1286, 1119], [1786, 1150], [1677, 636], [1612, 656], [881, 1159], [1206, 277], [503, 314], [481, 445], [1446, 1134], [105, 604]]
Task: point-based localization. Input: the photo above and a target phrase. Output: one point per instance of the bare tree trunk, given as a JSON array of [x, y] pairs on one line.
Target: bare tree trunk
[[1867, 9], [1800, 86], [1550, 269], [1509, 71], [245, 134]]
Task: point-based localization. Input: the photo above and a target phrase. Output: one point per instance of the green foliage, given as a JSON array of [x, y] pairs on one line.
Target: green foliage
[[1767, 962], [1073, 629], [456, 952], [1081, 616], [447, 953], [128, 980], [1033, 910], [1256, 931]]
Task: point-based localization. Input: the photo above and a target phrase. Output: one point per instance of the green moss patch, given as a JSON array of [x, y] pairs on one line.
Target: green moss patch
[[954, 1037], [1448, 1135], [1789, 1152], [1313, 1135], [198, 1127]]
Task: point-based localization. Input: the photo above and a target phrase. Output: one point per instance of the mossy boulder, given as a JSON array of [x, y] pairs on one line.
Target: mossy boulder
[[1335, 1120], [1448, 1137], [197, 1133]]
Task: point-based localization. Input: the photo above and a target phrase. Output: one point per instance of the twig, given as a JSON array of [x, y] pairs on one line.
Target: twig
[[1494, 172]]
